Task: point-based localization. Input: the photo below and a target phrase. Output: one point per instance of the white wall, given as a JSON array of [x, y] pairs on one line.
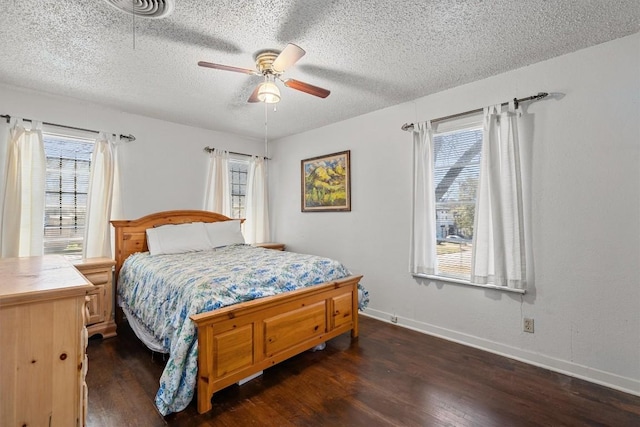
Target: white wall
[[164, 169], [586, 208]]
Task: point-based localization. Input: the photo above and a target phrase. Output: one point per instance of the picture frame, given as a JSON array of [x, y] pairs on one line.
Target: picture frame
[[326, 183]]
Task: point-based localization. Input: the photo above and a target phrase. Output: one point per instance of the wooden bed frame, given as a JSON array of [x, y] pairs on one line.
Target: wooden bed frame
[[241, 340]]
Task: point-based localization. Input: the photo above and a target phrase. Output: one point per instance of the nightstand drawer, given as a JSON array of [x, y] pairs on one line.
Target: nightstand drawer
[[99, 271], [96, 305], [99, 278]]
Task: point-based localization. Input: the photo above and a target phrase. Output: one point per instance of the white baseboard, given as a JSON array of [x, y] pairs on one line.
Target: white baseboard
[[607, 379]]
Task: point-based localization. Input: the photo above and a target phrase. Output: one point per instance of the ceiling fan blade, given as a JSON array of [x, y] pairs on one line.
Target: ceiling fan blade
[[226, 68], [307, 88], [289, 56], [254, 95]]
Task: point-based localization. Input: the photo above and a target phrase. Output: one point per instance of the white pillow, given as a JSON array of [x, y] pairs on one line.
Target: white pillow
[[175, 239], [224, 233]]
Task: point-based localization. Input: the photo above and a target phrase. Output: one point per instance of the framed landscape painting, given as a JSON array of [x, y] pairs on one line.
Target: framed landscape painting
[[326, 183]]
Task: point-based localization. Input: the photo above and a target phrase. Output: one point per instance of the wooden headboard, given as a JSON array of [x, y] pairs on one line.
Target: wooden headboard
[[131, 236]]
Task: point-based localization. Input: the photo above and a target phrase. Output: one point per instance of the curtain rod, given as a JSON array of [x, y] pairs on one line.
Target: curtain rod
[[129, 137], [540, 95], [210, 150]]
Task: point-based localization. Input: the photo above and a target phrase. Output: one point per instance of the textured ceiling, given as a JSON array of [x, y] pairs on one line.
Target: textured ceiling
[[370, 54]]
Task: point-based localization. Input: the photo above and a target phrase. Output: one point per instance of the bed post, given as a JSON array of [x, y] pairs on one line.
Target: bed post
[[205, 370], [354, 310]]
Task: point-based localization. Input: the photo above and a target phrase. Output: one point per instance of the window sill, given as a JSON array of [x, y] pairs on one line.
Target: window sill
[[467, 283]]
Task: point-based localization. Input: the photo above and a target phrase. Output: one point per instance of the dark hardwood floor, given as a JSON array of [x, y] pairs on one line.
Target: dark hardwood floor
[[390, 376]]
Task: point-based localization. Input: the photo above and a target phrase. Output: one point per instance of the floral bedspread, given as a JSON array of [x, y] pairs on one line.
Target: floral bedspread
[[162, 291]]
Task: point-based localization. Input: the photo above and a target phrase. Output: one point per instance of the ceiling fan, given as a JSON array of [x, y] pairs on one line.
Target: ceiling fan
[[271, 64]]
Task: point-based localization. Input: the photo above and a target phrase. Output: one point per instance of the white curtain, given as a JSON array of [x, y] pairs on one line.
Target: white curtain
[[22, 226], [256, 227], [97, 232], [423, 219], [116, 200], [498, 241], [217, 196], [5, 137]]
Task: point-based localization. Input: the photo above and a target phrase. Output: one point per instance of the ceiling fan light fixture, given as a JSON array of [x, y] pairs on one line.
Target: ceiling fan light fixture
[[269, 92]]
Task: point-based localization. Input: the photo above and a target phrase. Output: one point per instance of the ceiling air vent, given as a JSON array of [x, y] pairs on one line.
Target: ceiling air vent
[[144, 8]]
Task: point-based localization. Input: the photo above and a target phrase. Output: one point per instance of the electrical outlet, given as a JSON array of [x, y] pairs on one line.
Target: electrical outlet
[[527, 325], [394, 318]]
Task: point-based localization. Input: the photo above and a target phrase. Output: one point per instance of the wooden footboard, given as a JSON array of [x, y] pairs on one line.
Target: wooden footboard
[[238, 341]]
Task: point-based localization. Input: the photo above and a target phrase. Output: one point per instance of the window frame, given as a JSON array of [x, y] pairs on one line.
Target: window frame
[[242, 194], [52, 132], [442, 204]]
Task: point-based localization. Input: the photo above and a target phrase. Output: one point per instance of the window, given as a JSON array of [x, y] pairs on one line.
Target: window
[[456, 173], [238, 170], [67, 183], [469, 214]]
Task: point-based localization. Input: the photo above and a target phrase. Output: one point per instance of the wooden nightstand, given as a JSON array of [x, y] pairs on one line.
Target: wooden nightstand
[[99, 271], [271, 245]]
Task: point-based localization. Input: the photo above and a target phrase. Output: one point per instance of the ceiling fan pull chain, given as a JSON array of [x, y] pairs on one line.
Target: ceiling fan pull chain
[[266, 129], [133, 21]]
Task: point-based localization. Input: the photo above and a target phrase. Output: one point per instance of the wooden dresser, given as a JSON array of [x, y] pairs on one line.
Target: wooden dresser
[[99, 271], [43, 341]]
